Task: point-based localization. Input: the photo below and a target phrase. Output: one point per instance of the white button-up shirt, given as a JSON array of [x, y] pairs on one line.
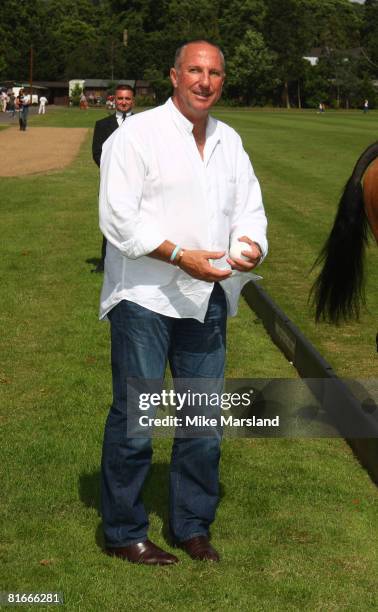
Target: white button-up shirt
[[155, 186], [119, 117]]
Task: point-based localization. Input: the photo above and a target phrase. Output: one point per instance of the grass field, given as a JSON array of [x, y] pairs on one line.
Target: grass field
[[303, 160], [297, 524]]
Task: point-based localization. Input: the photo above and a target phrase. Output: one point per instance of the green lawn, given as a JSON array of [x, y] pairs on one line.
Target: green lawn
[[303, 160], [297, 524]]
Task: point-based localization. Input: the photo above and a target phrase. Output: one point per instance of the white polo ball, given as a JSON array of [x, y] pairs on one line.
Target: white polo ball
[[237, 248]]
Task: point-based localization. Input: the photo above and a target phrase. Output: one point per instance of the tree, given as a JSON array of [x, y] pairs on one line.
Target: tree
[[334, 24], [235, 18], [316, 86], [161, 85], [3, 64], [55, 29], [349, 82], [250, 69], [21, 27], [84, 38], [335, 27], [192, 19], [370, 35], [75, 96], [287, 30]]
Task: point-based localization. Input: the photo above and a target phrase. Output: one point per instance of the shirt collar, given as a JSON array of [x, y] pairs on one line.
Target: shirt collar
[[213, 134], [119, 114], [181, 122], [212, 130]]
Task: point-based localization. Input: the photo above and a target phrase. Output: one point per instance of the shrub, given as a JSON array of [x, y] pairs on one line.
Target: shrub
[[145, 101], [75, 95]]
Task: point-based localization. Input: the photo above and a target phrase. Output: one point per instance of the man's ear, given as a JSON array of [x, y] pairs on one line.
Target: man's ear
[[173, 76]]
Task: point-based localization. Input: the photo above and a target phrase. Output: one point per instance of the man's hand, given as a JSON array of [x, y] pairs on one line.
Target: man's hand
[[254, 255], [197, 265]]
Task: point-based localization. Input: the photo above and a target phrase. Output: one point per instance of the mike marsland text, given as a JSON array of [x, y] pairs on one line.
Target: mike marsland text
[[203, 421]]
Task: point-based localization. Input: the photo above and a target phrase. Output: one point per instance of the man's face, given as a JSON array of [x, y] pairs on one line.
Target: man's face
[[198, 80], [124, 100]]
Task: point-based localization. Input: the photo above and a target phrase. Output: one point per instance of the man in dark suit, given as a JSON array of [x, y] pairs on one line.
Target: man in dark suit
[[124, 102]]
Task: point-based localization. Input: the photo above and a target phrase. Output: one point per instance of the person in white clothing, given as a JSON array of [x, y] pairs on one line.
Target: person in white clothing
[[42, 105], [177, 188], [4, 99]]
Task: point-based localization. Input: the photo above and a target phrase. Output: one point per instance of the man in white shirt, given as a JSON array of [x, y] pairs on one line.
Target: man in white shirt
[[4, 99], [177, 188], [42, 105]]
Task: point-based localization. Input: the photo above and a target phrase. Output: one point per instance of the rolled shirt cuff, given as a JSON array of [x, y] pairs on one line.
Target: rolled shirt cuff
[[142, 244]]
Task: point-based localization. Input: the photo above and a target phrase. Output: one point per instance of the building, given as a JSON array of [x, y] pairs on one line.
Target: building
[[58, 92], [316, 53], [98, 88]]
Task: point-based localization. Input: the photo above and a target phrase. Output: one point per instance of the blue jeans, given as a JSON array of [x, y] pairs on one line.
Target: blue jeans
[[142, 343], [23, 119]]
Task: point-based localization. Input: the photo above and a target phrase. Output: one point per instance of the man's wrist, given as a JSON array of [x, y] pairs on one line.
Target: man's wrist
[[176, 255], [179, 258]]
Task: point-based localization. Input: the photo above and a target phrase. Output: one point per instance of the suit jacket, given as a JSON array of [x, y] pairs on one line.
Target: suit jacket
[[103, 129]]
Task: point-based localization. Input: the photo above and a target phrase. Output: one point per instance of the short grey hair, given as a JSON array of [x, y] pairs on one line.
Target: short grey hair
[[180, 50]]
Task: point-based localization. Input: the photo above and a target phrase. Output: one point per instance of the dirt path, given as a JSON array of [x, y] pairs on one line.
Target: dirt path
[[38, 149]]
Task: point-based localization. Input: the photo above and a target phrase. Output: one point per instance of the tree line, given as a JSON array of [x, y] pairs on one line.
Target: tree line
[[264, 42]]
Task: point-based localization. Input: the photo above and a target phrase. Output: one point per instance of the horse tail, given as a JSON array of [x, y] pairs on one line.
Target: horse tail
[[338, 290]]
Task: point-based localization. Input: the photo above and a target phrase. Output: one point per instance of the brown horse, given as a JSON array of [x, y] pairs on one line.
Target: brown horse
[[338, 291]]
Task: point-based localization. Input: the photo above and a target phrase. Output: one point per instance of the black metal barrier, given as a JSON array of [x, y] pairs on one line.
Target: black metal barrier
[[310, 364]]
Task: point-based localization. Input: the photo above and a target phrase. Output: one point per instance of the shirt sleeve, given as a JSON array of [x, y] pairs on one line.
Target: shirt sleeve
[[123, 174], [248, 217]]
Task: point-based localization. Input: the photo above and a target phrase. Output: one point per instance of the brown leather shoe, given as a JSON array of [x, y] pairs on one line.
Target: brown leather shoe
[[199, 548], [143, 552]]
